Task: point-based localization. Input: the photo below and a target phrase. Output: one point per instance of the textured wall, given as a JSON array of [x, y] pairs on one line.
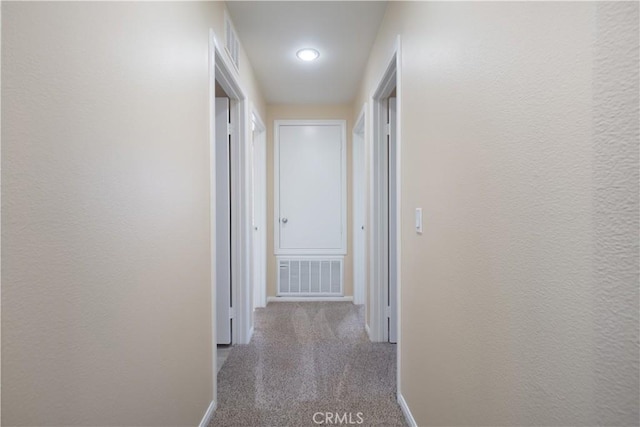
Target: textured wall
[[301, 112], [616, 256], [106, 316], [520, 142]]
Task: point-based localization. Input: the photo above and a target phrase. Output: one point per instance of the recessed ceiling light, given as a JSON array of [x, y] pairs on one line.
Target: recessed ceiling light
[[308, 54]]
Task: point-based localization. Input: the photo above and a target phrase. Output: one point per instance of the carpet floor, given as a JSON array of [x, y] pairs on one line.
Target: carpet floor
[[309, 364]]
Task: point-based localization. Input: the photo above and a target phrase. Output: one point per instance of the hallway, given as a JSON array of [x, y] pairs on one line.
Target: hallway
[[306, 360], [302, 184]]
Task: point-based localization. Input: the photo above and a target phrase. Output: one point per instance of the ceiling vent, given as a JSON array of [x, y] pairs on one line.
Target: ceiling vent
[[232, 44]]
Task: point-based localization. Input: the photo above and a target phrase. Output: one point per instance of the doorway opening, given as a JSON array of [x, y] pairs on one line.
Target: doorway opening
[[229, 201], [385, 208], [226, 150]]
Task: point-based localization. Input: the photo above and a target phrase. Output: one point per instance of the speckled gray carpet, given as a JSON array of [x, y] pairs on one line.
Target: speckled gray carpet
[[309, 364]]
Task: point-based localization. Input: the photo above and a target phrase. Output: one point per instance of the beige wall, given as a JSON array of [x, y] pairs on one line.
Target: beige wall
[[106, 314], [302, 112], [520, 142]]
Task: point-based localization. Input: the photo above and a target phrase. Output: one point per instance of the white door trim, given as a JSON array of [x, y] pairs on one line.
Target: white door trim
[[276, 191], [260, 290], [222, 71], [359, 280], [378, 265]]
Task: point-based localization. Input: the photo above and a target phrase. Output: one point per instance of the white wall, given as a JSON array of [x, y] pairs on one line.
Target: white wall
[[520, 142], [106, 314]]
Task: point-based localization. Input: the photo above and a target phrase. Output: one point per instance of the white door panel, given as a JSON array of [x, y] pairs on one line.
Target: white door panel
[[359, 209], [310, 159], [393, 224], [223, 223]]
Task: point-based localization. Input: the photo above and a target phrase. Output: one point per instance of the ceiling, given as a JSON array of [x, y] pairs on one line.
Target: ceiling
[[271, 33]]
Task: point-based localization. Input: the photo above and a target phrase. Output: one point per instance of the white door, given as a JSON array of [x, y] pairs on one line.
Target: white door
[[223, 222], [259, 221], [393, 223], [311, 207], [359, 180]]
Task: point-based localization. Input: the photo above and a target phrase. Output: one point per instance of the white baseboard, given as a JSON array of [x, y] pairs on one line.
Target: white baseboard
[[207, 415], [406, 411], [366, 328], [309, 299]]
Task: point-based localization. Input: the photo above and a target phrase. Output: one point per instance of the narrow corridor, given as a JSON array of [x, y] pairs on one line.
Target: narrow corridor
[[309, 364], [460, 178]]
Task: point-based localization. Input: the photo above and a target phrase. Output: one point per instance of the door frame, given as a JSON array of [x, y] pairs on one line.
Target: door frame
[[276, 191], [222, 71], [260, 292], [378, 217], [359, 132]]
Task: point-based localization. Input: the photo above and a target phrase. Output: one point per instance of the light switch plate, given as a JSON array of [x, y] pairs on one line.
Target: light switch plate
[[419, 220]]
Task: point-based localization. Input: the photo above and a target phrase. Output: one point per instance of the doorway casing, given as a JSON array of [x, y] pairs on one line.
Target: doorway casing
[[222, 71], [359, 209], [378, 209], [259, 209]]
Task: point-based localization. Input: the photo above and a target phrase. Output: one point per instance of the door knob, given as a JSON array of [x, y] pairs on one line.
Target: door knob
[[285, 220]]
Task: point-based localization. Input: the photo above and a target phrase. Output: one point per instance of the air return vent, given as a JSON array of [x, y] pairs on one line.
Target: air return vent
[[310, 276], [232, 44]]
